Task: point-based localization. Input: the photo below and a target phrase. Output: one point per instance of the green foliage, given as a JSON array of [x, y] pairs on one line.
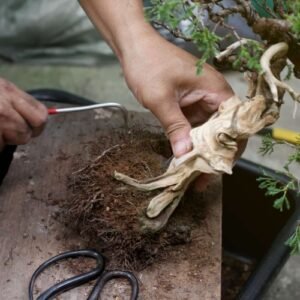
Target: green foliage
[[249, 56], [278, 190], [170, 13], [206, 42], [264, 8], [293, 7], [274, 188], [268, 144], [294, 241], [293, 158]]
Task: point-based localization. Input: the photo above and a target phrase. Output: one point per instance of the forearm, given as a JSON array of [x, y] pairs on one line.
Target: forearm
[[121, 22], [160, 75]]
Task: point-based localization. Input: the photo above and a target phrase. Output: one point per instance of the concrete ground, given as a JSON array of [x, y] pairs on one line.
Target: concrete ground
[[107, 84]]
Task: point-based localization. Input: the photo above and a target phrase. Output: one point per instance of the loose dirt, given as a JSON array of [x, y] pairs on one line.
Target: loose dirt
[[107, 213]]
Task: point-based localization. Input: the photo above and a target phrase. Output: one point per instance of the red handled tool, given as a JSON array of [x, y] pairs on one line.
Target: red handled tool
[[54, 111]]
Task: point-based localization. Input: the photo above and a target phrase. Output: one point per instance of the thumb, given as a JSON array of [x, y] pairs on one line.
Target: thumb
[[176, 126], [180, 139]]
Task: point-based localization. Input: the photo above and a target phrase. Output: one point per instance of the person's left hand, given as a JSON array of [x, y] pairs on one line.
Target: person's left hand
[[21, 116]]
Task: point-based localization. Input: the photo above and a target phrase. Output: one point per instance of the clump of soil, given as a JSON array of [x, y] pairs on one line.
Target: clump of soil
[[107, 213]]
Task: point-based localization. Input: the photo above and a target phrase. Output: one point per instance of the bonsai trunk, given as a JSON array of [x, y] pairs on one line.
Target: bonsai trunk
[[215, 143]]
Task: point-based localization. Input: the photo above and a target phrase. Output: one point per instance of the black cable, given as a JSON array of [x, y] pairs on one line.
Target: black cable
[[71, 282], [94, 295], [78, 280], [58, 96], [53, 95]]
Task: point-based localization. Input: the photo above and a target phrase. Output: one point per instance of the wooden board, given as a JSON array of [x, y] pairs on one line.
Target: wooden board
[[29, 235]]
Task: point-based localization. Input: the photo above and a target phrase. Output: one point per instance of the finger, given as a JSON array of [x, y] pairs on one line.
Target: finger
[[12, 137], [176, 126], [195, 114], [15, 131], [36, 131], [34, 112]]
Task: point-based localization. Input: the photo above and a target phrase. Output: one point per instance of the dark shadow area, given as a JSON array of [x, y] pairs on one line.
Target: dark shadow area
[[254, 232]]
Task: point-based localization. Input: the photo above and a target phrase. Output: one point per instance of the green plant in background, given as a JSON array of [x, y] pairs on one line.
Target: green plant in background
[[188, 20], [294, 16], [171, 14], [274, 21], [278, 190], [294, 241], [249, 56]]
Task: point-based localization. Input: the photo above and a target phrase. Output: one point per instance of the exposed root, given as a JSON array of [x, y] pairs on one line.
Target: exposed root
[[215, 143], [97, 159], [278, 50], [149, 184], [111, 216], [215, 147]]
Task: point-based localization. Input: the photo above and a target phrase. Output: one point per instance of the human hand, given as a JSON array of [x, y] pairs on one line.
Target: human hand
[[21, 116], [163, 78]]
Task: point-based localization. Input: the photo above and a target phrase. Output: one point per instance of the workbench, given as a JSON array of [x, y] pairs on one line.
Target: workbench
[[29, 234]]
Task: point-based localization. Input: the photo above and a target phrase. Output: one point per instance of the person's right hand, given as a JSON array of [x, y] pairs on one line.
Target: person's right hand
[[21, 116], [161, 76], [164, 79]]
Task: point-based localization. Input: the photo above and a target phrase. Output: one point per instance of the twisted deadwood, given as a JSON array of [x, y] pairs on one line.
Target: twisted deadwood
[[215, 143]]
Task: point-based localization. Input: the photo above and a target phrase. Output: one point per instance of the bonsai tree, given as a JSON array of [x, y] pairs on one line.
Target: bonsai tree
[[215, 144]]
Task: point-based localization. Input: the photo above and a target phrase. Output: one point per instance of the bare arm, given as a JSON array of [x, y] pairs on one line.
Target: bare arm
[[161, 76], [121, 22]]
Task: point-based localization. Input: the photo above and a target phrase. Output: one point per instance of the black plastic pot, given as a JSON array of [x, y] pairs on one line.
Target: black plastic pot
[[254, 230]]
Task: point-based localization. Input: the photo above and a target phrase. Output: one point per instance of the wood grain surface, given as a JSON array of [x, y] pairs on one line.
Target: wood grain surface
[[29, 234]]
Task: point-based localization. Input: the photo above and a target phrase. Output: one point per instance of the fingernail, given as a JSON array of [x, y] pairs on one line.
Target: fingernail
[[181, 147]]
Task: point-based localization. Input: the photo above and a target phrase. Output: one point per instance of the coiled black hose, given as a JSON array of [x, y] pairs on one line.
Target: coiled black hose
[[58, 96], [53, 95], [78, 280]]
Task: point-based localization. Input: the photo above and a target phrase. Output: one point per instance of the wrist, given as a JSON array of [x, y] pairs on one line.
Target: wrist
[[133, 40], [122, 23]]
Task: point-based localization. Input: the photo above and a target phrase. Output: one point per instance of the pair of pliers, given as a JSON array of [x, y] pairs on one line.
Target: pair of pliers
[[97, 272]]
